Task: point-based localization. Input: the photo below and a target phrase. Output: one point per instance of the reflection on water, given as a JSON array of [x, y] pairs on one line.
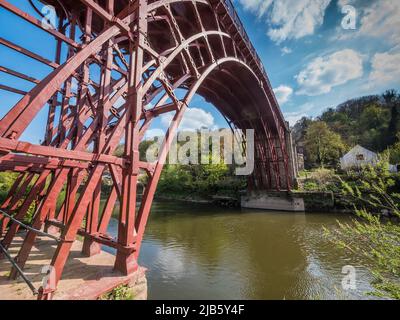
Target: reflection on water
[[197, 251]]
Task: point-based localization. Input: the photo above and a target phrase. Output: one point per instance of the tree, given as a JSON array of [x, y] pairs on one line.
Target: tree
[[392, 99], [394, 153], [300, 128], [322, 146], [371, 121]]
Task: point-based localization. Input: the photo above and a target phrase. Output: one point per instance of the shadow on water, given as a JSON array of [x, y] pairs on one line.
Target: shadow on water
[[197, 251]]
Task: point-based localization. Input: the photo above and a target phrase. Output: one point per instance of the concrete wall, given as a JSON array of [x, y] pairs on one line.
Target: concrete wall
[[276, 201], [290, 201]]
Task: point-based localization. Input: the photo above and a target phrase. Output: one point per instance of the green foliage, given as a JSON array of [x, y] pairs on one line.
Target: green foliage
[[199, 180], [300, 129], [310, 186], [122, 292], [394, 153], [363, 121], [322, 145], [393, 101], [323, 176], [369, 237], [369, 181], [173, 178], [195, 181], [6, 181], [372, 126], [371, 121], [320, 179], [30, 213], [119, 150]]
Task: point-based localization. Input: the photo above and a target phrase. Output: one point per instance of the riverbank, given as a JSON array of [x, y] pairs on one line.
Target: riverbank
[[219, 200], [314, 201]]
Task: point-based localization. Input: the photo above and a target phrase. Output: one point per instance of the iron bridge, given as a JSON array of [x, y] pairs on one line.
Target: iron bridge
[[144, 52]]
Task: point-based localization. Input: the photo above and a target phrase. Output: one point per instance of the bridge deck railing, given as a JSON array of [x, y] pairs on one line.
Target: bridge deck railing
[[242, 31], [239, 25]]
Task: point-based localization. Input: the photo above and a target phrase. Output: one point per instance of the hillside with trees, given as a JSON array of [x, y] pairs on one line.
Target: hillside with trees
[[193, 181], [371, 121]]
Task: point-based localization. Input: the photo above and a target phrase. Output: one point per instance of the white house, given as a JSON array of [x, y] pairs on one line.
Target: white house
[[358, 157]]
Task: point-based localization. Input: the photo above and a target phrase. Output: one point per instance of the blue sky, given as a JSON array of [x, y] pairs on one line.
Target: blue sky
[[312, 61]]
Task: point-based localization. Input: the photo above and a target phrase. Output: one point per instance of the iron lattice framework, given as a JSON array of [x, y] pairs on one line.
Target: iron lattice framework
[[145, 51]]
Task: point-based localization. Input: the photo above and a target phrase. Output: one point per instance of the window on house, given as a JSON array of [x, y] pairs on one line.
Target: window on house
[[360, 157]]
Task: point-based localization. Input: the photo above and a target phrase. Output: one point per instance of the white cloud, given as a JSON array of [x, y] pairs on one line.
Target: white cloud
[[194, 118], [324, 73], [256, 6], [382, 19], [288, 19], [294, 116], [385, 68], [153, 133], [379, 19], [283, 94], [286, 50]]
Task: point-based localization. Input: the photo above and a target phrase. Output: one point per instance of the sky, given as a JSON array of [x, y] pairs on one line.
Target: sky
[[314, 57], [317, 53]]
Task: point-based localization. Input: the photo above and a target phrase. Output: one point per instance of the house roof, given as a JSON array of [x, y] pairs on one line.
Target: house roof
[[360, 150]]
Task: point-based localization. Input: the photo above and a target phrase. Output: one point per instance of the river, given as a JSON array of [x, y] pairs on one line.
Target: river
[[196, 251]]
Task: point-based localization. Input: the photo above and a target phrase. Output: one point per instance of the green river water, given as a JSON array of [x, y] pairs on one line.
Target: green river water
[[196, 251]]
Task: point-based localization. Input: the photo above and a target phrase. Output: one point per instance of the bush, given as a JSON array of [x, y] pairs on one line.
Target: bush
[[369, 237], [6, 181], [365, 181], [310, 186], [320, 180], [394, 153], [201, 180]]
